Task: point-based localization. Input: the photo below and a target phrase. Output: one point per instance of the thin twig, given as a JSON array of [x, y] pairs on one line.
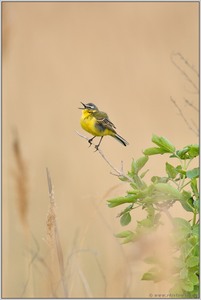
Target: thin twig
[[118, 172], [191, 104], [173, 55], [182, 115], [195, 125], [187, 63]]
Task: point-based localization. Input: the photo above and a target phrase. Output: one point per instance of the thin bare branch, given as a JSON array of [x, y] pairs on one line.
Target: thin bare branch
[[187, 63], [117, 172], [182, 115], [195, 125], [181, 69], [191, 104]]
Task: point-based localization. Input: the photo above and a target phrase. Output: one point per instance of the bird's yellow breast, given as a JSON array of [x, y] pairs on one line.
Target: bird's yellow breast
[[89, 123]]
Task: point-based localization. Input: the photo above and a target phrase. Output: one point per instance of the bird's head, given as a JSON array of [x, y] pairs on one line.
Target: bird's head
[[89, 106]]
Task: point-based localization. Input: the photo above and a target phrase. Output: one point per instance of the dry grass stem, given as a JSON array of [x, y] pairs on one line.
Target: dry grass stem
[[84, 281], [21, 179], [53, 234]]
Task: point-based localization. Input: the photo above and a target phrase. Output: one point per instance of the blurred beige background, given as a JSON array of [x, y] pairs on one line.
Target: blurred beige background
[[118, 56]]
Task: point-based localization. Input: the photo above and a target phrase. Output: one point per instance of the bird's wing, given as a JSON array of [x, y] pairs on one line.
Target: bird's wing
[[103, 119]]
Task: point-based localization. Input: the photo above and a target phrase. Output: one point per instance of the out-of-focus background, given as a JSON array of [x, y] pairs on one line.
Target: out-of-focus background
[[128, 59]]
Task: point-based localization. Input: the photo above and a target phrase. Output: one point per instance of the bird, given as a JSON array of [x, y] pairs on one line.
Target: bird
[[97, 123]]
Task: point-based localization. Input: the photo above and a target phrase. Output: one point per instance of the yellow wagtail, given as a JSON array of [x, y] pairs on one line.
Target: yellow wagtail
[[98, 124]]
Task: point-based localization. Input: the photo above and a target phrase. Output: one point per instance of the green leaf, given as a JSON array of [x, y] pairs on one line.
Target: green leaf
[[124, 234], [127, 235], [179, 263], [193, 150], [171, 170], [194, 187], [154, 150], [193, 240], [192, 261], [123, 178], [121, 200], [184, 273], [139, 164], [182, 229], [188, 205], [193, 278], [186, 195], [194, 173], [153, 274], [196, 250], [186, 248], [168, 190], [147, 223], [183, 153], [187, 201], [157, 179], [125, 219], [180, 170], [196, 229], [133, 185], [144, 173], [127, 209], [187, 285], [148, 276], [196, 205], [182, 223], [163, 143], [188, 152]]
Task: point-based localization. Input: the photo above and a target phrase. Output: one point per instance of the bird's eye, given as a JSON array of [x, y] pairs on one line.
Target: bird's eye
[[91, 106]]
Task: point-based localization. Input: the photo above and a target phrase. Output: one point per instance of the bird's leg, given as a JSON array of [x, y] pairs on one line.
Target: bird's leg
[[97, 146], [90, 140]]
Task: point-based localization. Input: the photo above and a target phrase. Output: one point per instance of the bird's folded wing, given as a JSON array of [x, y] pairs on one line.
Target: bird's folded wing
[[103, 119]]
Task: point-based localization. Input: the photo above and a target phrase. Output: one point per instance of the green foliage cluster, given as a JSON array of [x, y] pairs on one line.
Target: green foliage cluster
[[179, 185]]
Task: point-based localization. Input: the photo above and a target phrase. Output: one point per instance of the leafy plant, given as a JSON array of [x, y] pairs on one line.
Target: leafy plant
[[179, 185]]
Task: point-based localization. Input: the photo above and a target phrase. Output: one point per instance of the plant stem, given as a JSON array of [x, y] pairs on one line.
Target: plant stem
[[194, 217]]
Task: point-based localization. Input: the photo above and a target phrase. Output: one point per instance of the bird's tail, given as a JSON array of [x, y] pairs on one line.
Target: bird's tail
[[120, 139]]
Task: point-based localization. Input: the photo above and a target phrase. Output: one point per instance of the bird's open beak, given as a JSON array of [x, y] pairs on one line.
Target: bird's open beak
[[84, 106]]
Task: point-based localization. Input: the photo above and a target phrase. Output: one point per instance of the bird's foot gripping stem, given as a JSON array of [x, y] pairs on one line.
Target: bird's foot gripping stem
[[96, 147], [90, 141]]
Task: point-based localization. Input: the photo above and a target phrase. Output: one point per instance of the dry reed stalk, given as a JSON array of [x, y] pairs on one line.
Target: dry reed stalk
[[21, 180], [21, 184], [53, 234]]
